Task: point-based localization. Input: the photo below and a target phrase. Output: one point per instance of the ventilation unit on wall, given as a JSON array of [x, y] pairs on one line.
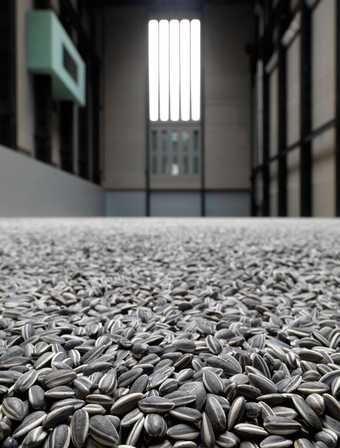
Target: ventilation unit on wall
[[51, 51]]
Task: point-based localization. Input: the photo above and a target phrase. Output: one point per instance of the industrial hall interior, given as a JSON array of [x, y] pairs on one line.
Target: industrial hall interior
[[169, 224], [170, 108]]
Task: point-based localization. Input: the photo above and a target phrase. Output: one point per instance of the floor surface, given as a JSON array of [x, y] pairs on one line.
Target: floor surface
[[170, 333]]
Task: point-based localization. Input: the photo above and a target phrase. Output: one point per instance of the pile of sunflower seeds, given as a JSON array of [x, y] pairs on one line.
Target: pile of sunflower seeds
[[163, 333]]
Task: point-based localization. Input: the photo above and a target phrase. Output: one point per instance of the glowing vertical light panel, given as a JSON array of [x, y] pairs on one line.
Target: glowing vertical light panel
[[174, 70], [164, 77], [185, 69], [153, 70], [195, 46]]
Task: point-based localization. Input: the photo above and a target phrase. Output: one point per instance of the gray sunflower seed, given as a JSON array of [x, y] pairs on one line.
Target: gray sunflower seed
[[250, 430], [216, 414], [140, 384], [185, 444], [34, 438], [26, 381], [306, 412], [60, 392], [212, 382], [57, 416], [207, 432], [281, 425], [126, 403], [130, 418], [135, 432], [228, 440], [151, 405], [303, 443], [36, 397], [103, 431], [80, 425], [328, 437], [14, 408], [155, 425], [182, 431], [30, 422], [317, 403], [186, 414], [236, 412], [276, 442], [60, 437], [83, 384]]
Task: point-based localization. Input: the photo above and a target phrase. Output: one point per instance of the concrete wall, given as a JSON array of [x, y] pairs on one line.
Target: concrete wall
[[25, 99], [293, 127], [274, 112], [273, 194], [124, 120], [31, 188], [227, 114], [25, 91], [323, 111], [227, 96], [293, 183], [323, 98], [125, 203]]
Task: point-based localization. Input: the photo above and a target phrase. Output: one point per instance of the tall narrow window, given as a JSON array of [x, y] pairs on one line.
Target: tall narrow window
[[174, 70], [153, 71]]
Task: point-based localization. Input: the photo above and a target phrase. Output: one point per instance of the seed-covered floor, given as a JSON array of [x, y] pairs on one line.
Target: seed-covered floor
[[169, 333]]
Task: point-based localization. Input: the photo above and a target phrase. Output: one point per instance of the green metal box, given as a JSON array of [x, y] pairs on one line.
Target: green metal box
[[51, 51]]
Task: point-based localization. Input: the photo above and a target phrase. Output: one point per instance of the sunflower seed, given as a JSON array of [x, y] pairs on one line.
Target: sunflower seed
[[281, 425], [103, 431], [276, 442], [126, 403], [80, 425], [150, 405], [30, 422], [182, 431], [236, 412], [155, 425], [14, 408], [186, 414], [60, 437]]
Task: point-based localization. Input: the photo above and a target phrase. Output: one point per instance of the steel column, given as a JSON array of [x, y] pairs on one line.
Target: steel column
[[265, 171], [306, 111], [282, 131]]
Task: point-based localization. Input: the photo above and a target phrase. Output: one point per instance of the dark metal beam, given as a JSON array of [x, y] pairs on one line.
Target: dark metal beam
[[337, 121], [306, 112], [282, 96], [265, 171]]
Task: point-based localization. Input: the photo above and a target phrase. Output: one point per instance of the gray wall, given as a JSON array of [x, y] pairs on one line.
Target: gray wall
[[125, 203], [323, 111], [228, 96], [124, 96], [323, 99], [31, 188]]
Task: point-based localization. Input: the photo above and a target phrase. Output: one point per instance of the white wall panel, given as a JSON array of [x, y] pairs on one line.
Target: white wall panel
[[293, 183], [273, 189], [324, 174], [32, 188], [273, 111], [228, 96], [323, 69], [293, 92]]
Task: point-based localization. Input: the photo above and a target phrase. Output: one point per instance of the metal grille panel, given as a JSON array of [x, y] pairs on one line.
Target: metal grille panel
[[175, 150]]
